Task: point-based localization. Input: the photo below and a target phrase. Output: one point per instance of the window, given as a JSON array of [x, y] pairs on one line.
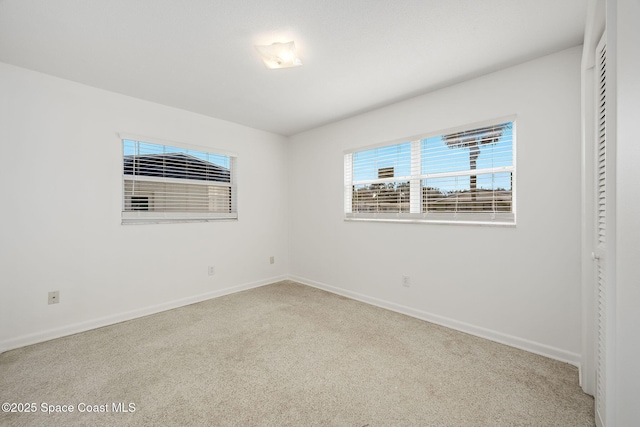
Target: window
[[460, 176], [164, 183]]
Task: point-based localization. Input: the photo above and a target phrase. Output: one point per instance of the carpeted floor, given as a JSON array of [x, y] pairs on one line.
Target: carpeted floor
[[287, 355]]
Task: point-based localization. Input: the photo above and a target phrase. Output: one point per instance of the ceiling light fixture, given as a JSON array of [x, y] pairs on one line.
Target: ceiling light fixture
[[279, 55]]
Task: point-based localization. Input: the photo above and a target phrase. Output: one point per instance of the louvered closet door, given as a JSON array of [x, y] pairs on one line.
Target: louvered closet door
[[599, 254]]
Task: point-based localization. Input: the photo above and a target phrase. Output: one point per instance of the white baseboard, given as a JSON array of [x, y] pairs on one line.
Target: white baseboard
[[75, 328], [523, 344]]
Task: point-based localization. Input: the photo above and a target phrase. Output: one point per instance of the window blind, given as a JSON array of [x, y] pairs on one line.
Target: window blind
[[381, 179], [166, 183], [464, 175]]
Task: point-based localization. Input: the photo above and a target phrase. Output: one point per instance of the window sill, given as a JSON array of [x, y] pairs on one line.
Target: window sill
[[131, 218], [508, 224]]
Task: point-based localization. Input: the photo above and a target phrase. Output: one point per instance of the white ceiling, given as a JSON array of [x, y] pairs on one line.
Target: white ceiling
[[358, 55]]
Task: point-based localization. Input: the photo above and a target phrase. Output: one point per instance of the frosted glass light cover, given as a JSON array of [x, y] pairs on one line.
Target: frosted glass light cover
[[279, 55]]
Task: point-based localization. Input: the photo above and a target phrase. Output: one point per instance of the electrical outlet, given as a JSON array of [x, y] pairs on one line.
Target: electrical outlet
[[54, 297], [406, 281], [272, 259], [212, 270]]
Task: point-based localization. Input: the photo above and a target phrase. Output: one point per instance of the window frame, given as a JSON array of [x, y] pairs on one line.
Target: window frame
[[416, 177], [150, 216]]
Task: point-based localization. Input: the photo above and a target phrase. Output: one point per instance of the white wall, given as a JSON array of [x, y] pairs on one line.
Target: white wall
[[624, 36], [61, 200], [516, 285]]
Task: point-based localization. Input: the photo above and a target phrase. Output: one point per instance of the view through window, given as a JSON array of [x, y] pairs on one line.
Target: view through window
[[165, 183], [460, 176]]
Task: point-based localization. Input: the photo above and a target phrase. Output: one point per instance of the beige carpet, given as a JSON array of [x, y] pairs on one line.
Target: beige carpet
[[287, 354]]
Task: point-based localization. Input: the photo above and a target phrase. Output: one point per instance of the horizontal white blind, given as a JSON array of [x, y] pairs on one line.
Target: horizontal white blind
[[483, 148], [163, 183], [381, 179], [469, 171], [348, 179], [383, 197], [463, 176]]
